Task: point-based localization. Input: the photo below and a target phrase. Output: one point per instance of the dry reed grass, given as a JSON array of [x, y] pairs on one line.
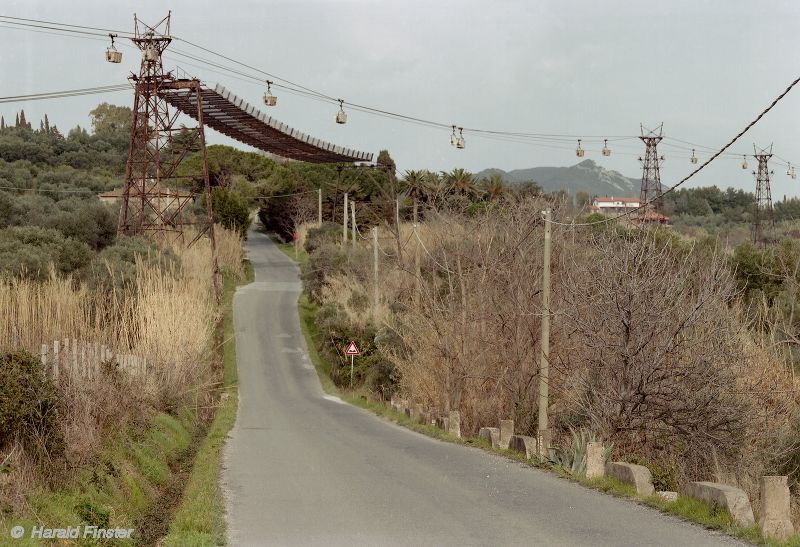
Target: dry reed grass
[[167, 316]]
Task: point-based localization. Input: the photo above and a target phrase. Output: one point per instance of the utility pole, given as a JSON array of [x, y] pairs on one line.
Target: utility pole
[[344, 221], [417, 272], [336, 192], [543, 437], [762, 207], [651, 176], [353, 213], [319, 207], [375, 273]]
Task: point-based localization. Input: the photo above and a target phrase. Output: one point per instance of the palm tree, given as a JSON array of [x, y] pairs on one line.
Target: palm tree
[[415, 184], [493, 187], [461, 182], [438, 187]]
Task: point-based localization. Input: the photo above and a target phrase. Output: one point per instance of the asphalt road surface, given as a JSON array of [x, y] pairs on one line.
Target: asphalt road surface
[[303, 468]]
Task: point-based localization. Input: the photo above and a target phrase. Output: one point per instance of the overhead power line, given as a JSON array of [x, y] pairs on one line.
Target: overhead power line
[[66, 93], [700, 168], [520, 137]]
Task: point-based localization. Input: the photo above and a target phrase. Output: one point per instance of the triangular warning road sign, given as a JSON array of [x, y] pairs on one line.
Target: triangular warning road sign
[[352, 349]]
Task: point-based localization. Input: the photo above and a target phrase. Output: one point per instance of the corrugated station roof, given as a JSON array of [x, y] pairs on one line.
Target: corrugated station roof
[[236, 118]]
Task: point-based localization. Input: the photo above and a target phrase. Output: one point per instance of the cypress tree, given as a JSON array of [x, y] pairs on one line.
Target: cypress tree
[[22, 121], [16, 122], [2, 123], [46, 125]]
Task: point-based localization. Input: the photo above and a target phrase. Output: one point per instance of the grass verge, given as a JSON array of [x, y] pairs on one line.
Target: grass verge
[[119, 491], [200, 517], [691, 510]]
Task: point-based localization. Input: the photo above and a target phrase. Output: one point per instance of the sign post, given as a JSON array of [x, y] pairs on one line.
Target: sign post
[[352, 351]]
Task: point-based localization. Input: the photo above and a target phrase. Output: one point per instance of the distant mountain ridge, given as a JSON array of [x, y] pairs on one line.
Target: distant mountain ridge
[[586, 176]]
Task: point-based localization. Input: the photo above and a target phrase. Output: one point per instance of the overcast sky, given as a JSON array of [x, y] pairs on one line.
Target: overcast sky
[[705, 69]]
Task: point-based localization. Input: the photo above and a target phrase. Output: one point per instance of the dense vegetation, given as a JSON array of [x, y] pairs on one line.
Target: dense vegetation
[[727, 214]]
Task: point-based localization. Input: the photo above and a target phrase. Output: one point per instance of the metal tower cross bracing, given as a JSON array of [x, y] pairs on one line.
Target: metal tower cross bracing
[[763, 219], [157, 196], [651, 174]]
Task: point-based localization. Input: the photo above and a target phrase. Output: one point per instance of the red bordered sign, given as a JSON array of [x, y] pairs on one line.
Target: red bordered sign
[[351, 349]]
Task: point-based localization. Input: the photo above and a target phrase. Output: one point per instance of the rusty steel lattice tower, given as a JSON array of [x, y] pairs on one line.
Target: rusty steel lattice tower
[[651, 175], [156, 198], [762, 206]]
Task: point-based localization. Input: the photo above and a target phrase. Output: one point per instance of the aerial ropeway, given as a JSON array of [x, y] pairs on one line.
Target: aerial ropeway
[[238, 119]]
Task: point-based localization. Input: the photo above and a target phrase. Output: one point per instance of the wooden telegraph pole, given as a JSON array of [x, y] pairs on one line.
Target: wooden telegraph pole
[[543, 437], [374, 272], [344, 222], [319, 207], [353, 220]]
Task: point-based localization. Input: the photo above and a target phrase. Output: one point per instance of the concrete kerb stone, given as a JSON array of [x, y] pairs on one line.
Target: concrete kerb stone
[[454, 423], [523, 444], [775, 519], [637, 476], [733, 499], [416, 412], [491, 435], [506, 432], [595, 462]]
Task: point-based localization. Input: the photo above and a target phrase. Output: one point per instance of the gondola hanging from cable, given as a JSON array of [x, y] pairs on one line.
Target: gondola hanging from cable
[[606, 150], [269, 98], [460, 142], [341, 116], [112, 55], [693, 159], [744, 162], [579, 151]]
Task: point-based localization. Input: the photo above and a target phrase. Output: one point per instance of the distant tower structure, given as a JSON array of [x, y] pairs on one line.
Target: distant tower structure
[[157, 197], [651, 176], [763, 219]]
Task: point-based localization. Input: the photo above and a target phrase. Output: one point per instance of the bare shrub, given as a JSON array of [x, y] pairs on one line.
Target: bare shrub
[[475, 327], [657, 361]]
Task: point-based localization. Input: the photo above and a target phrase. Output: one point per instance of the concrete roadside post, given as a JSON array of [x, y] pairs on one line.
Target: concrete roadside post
[[543, 436], [595, 463], [775, 519], [506, 432], [454, 423]]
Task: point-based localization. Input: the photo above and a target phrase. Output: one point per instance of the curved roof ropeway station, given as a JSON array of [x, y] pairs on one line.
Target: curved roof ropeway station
[[236, 118]]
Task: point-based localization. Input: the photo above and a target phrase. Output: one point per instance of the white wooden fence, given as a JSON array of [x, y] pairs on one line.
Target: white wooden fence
[[76, 360]]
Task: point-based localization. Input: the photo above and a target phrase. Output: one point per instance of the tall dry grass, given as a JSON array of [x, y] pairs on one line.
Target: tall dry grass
[[167, 316]]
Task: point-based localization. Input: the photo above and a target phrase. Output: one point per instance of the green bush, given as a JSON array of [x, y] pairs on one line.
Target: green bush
[[327, 260], [29, 251], [231, 209], [29, 405], [329, 232]]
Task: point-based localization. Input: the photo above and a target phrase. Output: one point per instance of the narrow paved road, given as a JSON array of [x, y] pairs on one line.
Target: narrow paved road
[[302, 468]]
